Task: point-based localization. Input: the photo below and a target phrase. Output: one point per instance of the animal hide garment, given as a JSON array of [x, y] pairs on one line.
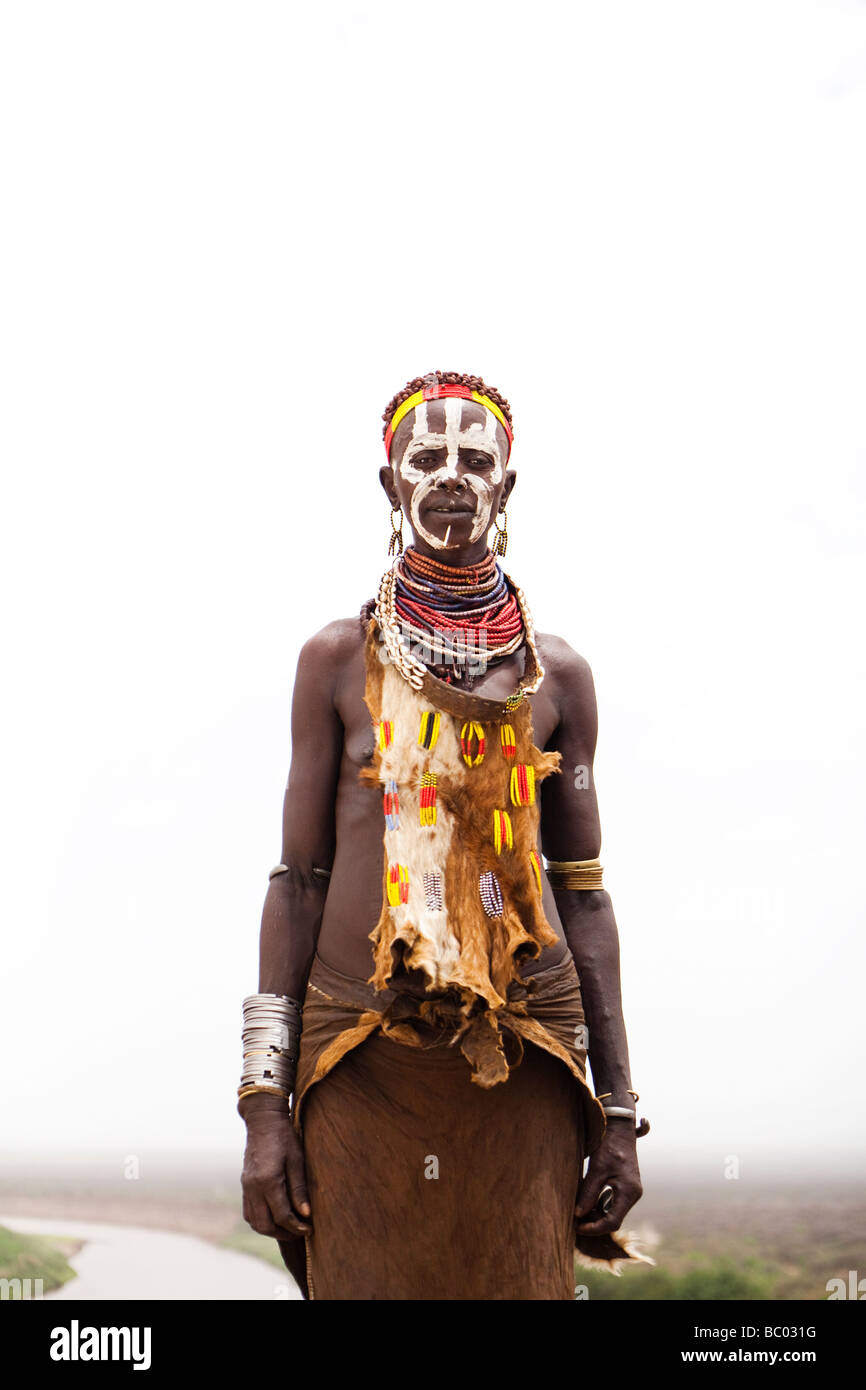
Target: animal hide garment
[[461, 887], [456, 775]]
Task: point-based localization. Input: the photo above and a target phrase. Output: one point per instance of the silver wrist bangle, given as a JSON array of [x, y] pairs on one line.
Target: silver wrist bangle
[[271, 1044], [620, 1110]]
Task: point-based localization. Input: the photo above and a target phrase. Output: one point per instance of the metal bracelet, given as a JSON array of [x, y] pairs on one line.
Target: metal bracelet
[[270, 1040], [254, 1090], [284, 869], [640, 1129]]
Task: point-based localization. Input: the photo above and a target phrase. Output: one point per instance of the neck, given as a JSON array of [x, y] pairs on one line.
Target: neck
[[456, 556]]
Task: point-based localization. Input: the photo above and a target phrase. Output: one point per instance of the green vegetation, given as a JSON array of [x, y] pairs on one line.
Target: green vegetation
[[249, 1242], [700, 1279], [35, 1257]]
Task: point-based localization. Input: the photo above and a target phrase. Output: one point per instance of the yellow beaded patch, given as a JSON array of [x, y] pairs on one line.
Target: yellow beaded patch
[[502, 832]]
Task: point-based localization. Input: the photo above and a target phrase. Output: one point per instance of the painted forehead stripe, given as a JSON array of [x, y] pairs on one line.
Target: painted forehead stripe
[[436, 393]]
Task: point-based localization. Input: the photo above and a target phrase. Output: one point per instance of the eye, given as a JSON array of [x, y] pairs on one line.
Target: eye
[[480, 461]]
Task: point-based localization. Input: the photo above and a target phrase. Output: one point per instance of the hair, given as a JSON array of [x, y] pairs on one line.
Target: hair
[[418, 383]]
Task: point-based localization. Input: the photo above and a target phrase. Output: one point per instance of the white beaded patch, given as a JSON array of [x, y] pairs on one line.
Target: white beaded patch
[[433, 890], [491, 894]]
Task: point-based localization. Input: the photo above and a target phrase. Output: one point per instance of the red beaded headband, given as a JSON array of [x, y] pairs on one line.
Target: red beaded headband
[[434, 393]]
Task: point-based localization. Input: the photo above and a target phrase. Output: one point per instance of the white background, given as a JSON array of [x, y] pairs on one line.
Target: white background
[[231, 232]]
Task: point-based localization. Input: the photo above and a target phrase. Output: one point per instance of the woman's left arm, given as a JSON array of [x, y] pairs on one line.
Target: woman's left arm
[[570, 830]]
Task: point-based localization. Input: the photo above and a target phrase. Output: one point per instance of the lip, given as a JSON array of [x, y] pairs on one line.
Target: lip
[[453, 511]]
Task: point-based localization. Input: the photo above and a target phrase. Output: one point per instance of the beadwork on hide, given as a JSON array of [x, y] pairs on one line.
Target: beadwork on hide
[[461, 903]]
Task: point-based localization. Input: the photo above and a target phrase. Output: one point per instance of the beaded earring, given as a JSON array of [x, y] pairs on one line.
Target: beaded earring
[[501, 542], [396, 533]]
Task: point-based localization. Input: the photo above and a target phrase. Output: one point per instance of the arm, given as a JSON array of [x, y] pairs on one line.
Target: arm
[[274, 1184], [570, 830]]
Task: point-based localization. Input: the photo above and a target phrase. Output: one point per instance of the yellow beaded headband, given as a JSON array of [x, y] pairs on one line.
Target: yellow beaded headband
[[433, 393]]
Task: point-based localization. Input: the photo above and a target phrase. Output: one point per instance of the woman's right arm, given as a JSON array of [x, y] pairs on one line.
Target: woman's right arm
[[274, 1184]]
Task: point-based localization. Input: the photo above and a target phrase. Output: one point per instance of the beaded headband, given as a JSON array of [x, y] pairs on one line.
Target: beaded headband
[[435, 393]]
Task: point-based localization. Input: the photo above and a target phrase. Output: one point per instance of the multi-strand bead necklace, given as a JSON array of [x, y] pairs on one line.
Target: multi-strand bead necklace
[[456, 616]]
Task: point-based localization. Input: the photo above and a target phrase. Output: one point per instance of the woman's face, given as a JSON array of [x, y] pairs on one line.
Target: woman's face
[[449, 464]]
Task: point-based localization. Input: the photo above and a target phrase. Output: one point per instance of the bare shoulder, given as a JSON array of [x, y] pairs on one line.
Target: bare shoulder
[[572, 690], [337, 639], [325, 655], [569, 673]]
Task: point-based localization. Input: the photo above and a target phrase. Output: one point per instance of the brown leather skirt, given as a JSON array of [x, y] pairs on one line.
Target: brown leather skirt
[[422, 1184]]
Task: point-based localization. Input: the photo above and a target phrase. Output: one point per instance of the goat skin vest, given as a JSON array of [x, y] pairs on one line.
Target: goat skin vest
[[461, 874]]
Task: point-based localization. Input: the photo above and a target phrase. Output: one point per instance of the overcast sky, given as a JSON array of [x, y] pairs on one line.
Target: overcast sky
[[231, 233]]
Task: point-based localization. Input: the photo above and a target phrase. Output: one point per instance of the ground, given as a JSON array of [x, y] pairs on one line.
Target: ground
[[751, 1240]]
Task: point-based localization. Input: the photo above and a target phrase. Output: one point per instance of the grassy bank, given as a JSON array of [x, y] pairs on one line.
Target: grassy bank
[[248, 1242], [36, 1257], [722, 1278]]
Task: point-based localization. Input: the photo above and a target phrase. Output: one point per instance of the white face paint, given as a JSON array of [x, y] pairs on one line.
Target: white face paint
[[456, 436]]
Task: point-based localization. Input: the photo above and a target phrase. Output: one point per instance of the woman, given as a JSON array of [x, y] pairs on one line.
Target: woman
[[440, 1117]]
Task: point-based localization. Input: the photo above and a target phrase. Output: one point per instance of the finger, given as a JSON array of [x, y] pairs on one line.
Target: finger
[[280, 1210], [247, 1206], [588, 1194], [297, 1183], [603, 1226], [611, 1220], [260, 1218]]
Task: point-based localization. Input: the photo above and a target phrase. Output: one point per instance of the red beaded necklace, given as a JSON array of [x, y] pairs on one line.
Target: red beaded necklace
[[472, 606]]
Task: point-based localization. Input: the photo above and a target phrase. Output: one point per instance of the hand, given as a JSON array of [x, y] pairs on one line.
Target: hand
[[615, 1163], [274, 1182]]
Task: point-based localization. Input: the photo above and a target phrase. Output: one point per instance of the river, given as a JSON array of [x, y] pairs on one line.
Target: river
[[139, 1263]]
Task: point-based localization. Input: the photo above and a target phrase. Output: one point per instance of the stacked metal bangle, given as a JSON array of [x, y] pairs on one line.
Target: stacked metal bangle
[[575, 873], [270, 1039]]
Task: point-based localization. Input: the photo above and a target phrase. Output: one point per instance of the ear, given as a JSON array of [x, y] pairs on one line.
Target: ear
[[510, 480], [386, 478]]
